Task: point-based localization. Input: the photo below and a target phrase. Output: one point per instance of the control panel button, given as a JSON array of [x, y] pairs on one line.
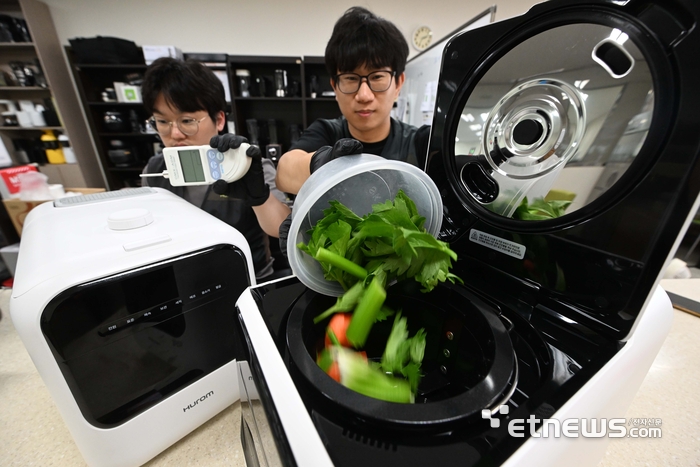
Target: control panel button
[[204, 292], [154, 314], [110, 328], [212, 154]]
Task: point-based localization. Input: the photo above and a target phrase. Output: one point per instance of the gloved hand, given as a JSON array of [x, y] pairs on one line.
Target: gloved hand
[[284, 233], [325, 154], [252, 187]]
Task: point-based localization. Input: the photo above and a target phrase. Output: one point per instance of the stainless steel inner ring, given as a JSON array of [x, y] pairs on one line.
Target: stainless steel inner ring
[[553, 104]]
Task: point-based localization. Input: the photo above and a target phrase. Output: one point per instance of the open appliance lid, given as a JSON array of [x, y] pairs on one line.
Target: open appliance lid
[[565, 144]]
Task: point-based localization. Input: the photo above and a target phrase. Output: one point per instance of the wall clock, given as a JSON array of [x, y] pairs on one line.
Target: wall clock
[[422, 37]]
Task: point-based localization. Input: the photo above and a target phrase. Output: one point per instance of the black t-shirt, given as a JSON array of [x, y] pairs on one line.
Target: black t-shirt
[[399, 145], [232, 211], [374, 148]]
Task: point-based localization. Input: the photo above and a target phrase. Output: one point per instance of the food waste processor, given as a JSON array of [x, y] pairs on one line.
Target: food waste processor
[[565, 147]]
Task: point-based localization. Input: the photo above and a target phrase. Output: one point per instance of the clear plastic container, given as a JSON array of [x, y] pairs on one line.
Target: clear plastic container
[[358, 182]]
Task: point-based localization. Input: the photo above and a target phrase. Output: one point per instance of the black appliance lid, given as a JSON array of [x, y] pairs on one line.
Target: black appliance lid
[[565, 143]]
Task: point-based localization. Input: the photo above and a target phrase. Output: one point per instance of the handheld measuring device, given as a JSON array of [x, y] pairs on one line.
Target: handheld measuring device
[[203, 165]]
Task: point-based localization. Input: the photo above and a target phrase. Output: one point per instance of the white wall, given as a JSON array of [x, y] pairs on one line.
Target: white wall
[[276, 27]]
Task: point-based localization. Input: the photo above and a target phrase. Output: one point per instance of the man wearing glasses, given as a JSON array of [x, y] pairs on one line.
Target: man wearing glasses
[[188, 105], [366, 57]]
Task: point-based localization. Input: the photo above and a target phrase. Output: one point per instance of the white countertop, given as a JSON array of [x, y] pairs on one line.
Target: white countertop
[[33, 432]]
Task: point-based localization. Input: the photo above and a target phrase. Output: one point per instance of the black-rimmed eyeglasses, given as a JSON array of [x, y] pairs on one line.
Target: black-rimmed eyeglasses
[[378, 81]]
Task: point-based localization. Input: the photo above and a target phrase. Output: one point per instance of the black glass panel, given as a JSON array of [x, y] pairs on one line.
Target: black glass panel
[[128, 341]]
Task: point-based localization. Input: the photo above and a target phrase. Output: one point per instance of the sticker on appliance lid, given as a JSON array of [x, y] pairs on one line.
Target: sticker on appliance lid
[[513, 249]]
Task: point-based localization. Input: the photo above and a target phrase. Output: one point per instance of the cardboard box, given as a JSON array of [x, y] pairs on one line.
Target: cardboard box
[[153, 52], [18, 209], [9, 180]]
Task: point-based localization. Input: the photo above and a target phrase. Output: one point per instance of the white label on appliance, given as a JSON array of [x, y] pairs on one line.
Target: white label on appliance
[[513, 249]]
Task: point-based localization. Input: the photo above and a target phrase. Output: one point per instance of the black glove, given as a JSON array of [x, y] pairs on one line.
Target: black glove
[[284, 233], [252, 187], [325, 154]]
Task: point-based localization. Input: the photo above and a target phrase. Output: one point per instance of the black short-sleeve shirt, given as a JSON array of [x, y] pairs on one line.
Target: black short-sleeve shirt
[[399, 145]]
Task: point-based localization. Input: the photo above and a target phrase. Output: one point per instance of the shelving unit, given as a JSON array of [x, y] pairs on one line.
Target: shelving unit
[[296, 108], [24, 52], [321, 106], [44, 51], [92, 80], [263, 105]]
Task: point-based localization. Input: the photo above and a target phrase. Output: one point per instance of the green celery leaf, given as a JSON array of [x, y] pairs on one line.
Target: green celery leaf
[[413, 374], [396, 352], [377, 247], [384, 313], [417, 346], [339, 235], [345, 302]]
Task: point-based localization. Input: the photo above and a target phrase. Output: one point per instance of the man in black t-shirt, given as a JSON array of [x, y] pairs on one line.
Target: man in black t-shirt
[[366, 57]]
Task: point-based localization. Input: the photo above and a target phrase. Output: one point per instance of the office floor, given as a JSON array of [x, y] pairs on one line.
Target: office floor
[[33, 432]]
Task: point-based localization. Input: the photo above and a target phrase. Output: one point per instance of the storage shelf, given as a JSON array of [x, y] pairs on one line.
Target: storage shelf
[[268, 99], [31, 128], [287, 112], [16, 45], [89, 66], [107, 134], [125, 169], [24, 88], [300, 110], [42, 53], [112, 104]]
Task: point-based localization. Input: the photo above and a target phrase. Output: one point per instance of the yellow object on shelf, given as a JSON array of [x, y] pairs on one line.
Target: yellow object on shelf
[[54, 152]]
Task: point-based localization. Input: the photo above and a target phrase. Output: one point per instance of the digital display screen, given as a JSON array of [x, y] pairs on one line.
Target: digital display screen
[[192, 170]]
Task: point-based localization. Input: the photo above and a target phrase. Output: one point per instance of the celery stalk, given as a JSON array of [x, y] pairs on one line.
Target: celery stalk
[[366, 312], [356, 374], [333, 338], [326, 256]]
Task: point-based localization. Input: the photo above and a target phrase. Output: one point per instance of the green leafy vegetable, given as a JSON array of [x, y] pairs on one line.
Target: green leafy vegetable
[[366, 311], [346, 302], [360, 376], [332, 337], [540, 209], [338, 261], [391, 238], [404, 355], [364, 254]]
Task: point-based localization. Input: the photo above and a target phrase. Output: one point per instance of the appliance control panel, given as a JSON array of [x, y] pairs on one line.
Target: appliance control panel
[[127, 341], [165, 310]]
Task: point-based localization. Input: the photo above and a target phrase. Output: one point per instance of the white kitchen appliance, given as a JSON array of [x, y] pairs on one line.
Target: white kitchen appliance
[[125, 303], [560, 315]]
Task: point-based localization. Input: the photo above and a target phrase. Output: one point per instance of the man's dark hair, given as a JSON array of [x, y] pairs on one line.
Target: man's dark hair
[[186, 85], [362, 38]]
